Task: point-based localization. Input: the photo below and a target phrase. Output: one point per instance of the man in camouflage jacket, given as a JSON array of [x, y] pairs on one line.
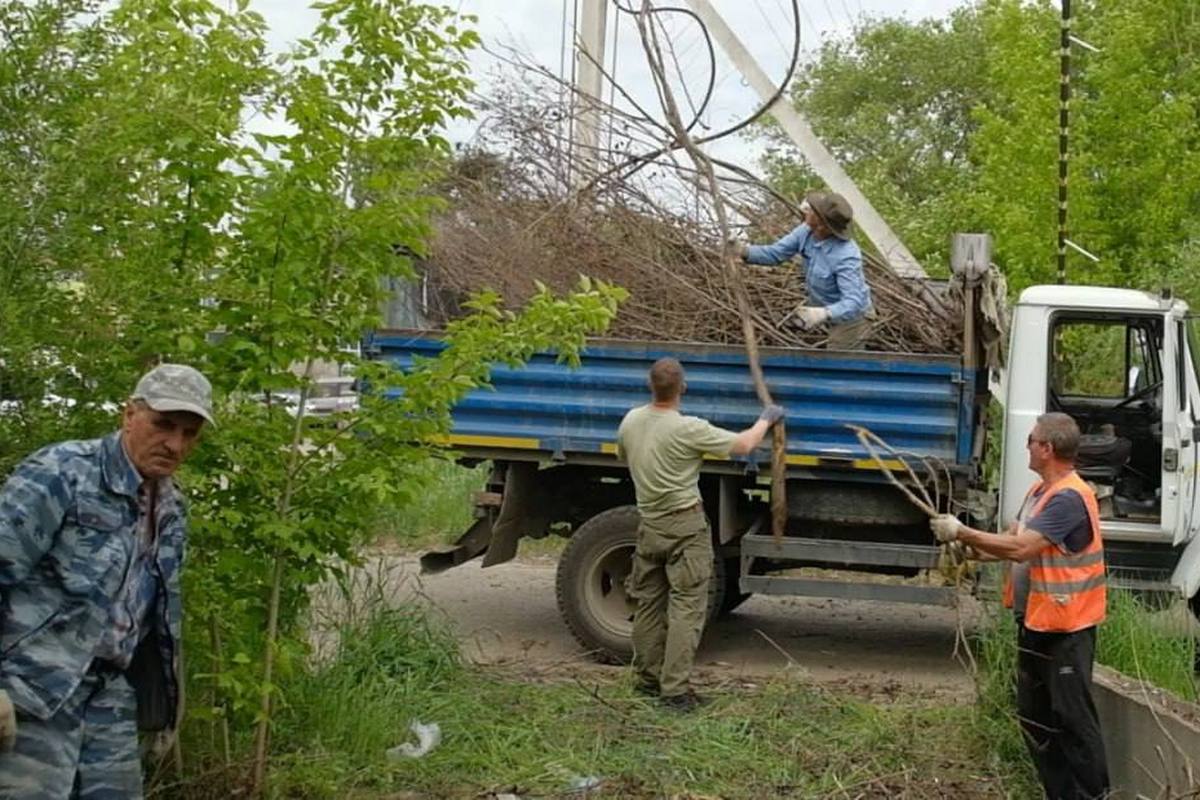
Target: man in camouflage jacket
[[91, 541]]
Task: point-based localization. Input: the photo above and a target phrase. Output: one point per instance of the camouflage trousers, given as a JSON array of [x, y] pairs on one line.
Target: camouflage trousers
[[88, 750], [672, 566]]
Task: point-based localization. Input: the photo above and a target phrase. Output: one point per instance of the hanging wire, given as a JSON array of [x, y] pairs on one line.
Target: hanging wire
[[612, 79], [762, 13], [638, 161]]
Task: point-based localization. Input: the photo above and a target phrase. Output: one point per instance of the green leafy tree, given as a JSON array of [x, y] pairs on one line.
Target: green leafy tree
[[894, 104], [953, 125], [153, 223]]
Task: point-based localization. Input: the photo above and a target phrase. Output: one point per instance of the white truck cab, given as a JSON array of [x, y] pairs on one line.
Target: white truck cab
[[1120, 362]]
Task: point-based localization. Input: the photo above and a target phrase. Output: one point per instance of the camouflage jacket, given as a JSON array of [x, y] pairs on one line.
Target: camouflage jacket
[[68, 517]]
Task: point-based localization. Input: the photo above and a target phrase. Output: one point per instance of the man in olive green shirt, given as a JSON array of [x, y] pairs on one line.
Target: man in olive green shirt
[[672, 565]]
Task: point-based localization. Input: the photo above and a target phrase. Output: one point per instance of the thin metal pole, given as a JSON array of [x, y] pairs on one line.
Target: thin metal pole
[[1064, 100]]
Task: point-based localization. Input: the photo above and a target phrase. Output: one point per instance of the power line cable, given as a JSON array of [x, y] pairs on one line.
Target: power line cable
[[639, 161], [770, 27]]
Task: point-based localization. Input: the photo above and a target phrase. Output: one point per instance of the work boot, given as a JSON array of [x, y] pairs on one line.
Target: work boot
[[683, 703], [647, 688]]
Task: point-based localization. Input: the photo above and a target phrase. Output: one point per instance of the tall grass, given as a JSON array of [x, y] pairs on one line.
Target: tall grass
[[996, 700], [440, 508], [1132, 640], [1139, 640], [502, 733]]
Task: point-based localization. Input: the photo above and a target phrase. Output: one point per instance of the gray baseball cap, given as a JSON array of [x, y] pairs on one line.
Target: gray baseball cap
[[176, 387]]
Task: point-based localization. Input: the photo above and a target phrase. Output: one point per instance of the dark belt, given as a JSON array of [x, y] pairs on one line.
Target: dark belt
[[693, 507]]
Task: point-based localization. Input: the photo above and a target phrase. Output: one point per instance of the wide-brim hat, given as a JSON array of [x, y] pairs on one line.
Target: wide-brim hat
[[833, 210]]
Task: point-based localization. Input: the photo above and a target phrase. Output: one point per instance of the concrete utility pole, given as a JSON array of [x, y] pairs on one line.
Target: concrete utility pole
[[590, 83], [1064, 130], [868, 219]]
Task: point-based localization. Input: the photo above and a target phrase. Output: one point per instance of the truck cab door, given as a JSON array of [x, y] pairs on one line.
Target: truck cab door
[[1187, 409]]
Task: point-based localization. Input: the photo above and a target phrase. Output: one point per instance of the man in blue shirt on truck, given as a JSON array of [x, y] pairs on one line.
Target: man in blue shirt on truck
[[833, 270], [91, 542]]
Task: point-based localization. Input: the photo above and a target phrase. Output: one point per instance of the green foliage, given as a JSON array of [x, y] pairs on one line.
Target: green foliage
[[1149, 640], [440, 510], [968, 139], [894, 105], [151, 222]]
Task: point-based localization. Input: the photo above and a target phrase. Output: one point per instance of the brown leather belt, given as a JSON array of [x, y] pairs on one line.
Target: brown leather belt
[[694, 506]]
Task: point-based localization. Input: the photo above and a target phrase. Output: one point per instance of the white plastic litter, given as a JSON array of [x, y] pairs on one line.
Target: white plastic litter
[[585, 783], [428, 737]]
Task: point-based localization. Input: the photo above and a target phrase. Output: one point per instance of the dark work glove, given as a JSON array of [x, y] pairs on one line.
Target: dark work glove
[[772, 414]]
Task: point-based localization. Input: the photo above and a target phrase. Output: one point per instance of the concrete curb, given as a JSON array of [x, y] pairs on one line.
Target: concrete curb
[[1151, 738]]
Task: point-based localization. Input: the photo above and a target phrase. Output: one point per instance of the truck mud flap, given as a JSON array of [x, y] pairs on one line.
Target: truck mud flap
[[496, 533], [516, 510], [469, 545]]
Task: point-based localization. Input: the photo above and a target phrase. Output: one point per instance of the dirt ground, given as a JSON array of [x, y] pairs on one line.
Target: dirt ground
[[506, 616]]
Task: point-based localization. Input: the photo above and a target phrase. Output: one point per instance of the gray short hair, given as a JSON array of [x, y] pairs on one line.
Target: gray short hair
[[1061, 432]]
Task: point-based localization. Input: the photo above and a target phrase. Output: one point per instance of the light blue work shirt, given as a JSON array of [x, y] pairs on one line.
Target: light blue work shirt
[[833, 271]]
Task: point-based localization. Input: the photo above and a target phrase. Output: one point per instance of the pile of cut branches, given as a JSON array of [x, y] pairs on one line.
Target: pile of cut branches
[[515, 221]]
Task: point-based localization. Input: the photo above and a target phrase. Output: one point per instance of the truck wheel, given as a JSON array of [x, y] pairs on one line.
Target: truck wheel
[[590, 584], [733, 596]]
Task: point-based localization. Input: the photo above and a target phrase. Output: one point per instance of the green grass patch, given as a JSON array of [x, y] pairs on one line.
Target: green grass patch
[[503, 732], [1147, 639], [440, 509]]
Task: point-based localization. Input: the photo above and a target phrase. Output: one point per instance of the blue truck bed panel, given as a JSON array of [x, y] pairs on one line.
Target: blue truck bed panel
[[918, 403]]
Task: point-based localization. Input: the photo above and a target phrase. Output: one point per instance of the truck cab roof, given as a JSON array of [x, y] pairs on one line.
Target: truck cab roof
[[1102, 298]]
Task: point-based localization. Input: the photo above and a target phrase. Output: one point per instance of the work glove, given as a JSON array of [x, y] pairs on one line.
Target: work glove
[[807, 317], [8, 723], [945, 527], [772, 414], [739, 249]]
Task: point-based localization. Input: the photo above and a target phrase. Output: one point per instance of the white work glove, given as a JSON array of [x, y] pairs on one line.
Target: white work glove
[[739, 249], [808, 317], [945, 527], [8, 723]]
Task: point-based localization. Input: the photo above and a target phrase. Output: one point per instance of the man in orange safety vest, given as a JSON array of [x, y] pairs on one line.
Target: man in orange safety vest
[[1056, 588]]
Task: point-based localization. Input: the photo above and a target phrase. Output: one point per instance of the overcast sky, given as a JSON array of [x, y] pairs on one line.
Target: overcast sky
[[536, 27]]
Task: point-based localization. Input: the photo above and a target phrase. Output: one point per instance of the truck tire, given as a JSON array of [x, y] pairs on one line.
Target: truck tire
[[733, 596], [590, 584]]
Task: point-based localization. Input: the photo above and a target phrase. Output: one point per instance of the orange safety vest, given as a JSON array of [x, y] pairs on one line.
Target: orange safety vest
[[1067, 591]]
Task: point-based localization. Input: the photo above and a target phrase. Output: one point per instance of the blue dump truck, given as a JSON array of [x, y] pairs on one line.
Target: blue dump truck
[[1120, 361]]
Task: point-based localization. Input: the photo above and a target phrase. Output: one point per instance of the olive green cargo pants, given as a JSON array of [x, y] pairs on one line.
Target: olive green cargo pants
[[672, 566], [852, 335]]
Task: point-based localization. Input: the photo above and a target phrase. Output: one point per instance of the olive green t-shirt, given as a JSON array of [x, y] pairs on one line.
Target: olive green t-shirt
[[663, 449]]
